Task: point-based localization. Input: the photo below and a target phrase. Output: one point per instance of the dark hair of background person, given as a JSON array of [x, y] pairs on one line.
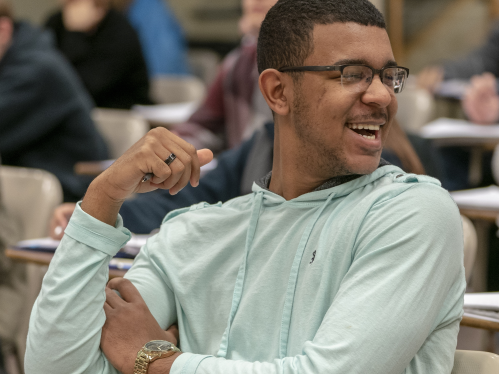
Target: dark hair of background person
[[286, 35], [5, 9]]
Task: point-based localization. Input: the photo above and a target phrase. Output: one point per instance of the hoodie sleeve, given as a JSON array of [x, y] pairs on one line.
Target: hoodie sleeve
[[399, 306], [67, 318]]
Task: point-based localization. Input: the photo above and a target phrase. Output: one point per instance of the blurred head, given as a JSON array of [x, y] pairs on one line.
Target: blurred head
[[6, 26], [325, 123], [83, 15], [254, 12]]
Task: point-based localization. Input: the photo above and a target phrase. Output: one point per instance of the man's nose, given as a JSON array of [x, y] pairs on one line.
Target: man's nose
[[377, 93]]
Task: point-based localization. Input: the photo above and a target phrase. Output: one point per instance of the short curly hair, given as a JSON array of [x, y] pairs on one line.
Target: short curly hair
[[5, 9], [286, 34]]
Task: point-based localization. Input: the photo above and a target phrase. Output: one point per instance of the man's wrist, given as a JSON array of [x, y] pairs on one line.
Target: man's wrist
[[99, 204], [163, 365]]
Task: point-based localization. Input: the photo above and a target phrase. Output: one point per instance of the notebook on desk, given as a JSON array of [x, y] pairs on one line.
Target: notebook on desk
[[129, 251]]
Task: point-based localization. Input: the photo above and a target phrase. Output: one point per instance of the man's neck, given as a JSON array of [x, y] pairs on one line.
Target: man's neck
[[290, 176]]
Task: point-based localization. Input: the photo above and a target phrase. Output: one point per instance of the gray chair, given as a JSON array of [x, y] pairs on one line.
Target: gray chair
[[475, 362], [177, 89], [119, 128], [416, 109], [30, 197]]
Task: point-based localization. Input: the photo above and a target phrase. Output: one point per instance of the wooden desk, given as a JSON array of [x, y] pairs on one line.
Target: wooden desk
[[44, 258], [480, 323]]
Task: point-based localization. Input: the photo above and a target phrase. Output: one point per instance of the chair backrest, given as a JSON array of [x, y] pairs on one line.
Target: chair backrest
[[177, 89], [416, 109], [470, 246], [475, 362], [204, 64], [495, 164], [119, 128], [30, 196]]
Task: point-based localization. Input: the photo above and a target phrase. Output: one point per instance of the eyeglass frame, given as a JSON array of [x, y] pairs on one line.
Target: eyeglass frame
[[340, 68]]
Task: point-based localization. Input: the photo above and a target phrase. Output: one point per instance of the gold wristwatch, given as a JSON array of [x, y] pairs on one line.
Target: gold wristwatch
[[151, 352]]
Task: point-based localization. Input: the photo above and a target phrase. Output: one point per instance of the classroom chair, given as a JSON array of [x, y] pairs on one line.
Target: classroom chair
[[416, 109], [475, 362], [470, 245], [177, 89], [495, 164], [30, 196], [119, 128]]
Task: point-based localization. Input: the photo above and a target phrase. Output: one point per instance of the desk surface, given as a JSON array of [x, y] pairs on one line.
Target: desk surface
[[44, 258], [483, 214], [480, 323]]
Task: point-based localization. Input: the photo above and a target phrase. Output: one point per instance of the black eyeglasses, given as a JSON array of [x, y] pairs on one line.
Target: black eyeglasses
[[358, 78]]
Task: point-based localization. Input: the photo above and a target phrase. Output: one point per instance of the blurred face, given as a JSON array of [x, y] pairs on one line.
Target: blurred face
[[254, 12], [327, 118]]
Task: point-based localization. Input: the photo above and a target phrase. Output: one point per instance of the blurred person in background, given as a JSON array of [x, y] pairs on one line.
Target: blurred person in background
[[234, 107], [161, 36], [44, 110], [105, 51], [482, 60]]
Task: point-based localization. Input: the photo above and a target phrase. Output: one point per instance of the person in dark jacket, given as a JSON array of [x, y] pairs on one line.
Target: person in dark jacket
[[44, 110], [105, 51]]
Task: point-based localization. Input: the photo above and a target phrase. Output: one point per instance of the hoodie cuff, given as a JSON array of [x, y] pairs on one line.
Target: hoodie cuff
[[96, 234], [187, 363]]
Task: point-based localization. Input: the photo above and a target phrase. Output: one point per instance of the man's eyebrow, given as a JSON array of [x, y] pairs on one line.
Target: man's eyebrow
[[361, 61]]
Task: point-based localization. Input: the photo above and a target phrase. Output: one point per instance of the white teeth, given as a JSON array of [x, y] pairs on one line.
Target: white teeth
[[371, 137], [360, 126]]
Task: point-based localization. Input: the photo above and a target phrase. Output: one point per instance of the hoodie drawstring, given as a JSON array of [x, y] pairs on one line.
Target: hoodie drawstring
[[238, 289], [293, 277]]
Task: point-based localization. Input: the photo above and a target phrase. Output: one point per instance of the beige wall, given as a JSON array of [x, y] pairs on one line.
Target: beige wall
[[380, 4], [33, 10]]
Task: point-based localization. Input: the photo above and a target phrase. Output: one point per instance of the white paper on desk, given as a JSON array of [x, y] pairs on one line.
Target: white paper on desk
[[135, 243], [478, 198], [483, 300], [42, 244], [167, 113], [457, 128], [452, 88]]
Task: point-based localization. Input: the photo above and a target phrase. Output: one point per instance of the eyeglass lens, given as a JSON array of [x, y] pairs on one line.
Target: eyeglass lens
[[359, 78]]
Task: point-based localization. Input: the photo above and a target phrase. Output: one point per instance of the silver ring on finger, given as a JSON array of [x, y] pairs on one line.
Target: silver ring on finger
[[170, 159]]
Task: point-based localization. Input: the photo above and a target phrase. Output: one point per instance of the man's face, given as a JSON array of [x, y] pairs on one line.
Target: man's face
[[254, 12], [323, 112]]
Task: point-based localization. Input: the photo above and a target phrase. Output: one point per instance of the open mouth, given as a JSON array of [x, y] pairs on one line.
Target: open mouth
[[367, 131]]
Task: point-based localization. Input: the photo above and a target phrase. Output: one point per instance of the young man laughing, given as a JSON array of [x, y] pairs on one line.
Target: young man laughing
[[336, 263]]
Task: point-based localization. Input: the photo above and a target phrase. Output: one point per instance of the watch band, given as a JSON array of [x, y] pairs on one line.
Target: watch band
[[144, 359], [141, 363]]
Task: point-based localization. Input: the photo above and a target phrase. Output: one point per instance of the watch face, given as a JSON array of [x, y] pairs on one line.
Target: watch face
[[159, 346]]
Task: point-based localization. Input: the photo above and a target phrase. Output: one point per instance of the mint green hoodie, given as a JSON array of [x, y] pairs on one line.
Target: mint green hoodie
[[364, 277]]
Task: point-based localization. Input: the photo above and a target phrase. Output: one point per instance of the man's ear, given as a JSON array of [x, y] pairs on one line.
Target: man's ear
[[276, 89], [6, 31]]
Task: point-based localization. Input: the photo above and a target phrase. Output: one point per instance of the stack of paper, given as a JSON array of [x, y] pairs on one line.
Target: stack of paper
[[482, 305], [444, 128], [478, 198], [130, 250], [167, 113]]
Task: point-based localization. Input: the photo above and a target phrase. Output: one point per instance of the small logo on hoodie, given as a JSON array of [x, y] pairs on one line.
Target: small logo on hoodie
[[313, 257]]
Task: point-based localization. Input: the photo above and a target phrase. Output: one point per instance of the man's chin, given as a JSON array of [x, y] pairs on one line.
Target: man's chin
[[365, 164]]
